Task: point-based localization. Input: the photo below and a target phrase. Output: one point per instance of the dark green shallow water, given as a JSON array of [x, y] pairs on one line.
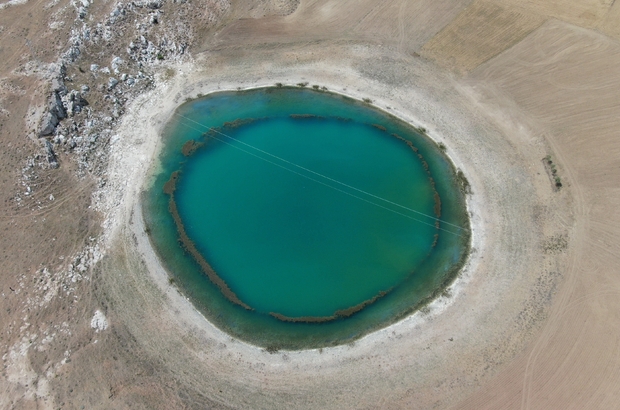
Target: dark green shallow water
[[326, 221]]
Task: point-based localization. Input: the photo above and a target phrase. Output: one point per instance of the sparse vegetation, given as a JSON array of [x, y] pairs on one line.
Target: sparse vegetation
[[463, 183], [442, 147], [446, 293], [367, 100], [169, 73], [272, 348], [425, 310], [302, 85], [555, 244], [551, 167]]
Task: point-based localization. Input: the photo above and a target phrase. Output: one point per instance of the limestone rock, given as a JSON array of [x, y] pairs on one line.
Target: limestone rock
[[155, 4], [73, 102], [48, 124], [116, 62], [58, 86], [51, 156], [55, 113], [112, 83]]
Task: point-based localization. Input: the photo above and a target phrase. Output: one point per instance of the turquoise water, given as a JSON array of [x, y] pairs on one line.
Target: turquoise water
[[305, 216]]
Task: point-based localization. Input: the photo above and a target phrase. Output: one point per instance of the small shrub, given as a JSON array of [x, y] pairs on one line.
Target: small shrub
[[169, 73], [171, 281], [324, 88], [442, 147], [554, 171], [463, 183], [302, 85], [555, 244], [316, 86], [279, 85], [367, 100], [273, 348], [160, 56]]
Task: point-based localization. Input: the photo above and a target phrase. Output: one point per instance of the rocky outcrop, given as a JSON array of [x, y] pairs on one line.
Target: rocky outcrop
[[107, 63], [55, 107], [112, 83], [74, 101], [62, 104], [51, 156], [55, 112]]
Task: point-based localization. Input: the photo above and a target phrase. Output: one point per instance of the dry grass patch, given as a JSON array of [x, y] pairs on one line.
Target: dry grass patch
[[480, 32], [565, 80], [401, 23], [408, 24], [585, 13], [610, 23]]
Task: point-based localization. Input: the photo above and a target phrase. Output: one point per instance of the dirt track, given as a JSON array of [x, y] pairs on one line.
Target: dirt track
[[531, 322]]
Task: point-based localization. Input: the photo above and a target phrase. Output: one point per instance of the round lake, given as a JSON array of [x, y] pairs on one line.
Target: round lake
[[294, 218]]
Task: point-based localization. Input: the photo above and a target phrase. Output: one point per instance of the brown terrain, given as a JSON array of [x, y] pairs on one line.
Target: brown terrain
[[88, 318]]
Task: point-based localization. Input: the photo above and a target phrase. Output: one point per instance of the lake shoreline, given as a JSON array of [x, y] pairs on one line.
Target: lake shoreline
[[403, 345], [415, 136]]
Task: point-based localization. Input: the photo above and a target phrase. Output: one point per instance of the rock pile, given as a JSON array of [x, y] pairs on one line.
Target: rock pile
[[122, 52]]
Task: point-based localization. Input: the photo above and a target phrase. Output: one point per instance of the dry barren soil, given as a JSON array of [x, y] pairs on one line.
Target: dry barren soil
[[524, 95]]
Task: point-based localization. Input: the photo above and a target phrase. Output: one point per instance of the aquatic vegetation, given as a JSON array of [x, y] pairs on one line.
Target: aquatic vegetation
[[304, 219]]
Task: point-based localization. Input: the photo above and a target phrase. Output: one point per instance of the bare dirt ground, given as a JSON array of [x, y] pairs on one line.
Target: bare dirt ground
[[88, 318]]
